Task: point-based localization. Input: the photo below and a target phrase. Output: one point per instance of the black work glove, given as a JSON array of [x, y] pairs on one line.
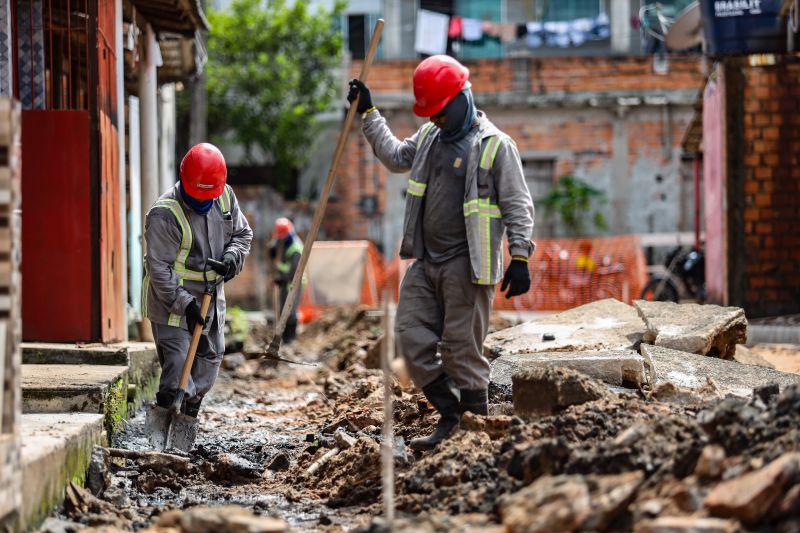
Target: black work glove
[[517, 279], [193, 316], [358, 89], [226, 267]]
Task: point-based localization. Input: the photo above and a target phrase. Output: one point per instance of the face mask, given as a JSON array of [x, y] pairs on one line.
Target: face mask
[[460, 114]]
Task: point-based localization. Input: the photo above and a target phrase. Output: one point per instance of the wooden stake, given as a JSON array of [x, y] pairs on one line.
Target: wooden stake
[[387, 447]]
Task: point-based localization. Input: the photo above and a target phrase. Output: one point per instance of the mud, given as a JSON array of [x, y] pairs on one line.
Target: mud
[[303, 445]]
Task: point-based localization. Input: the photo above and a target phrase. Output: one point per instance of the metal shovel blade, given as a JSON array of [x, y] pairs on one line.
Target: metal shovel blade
[[156, 425], [184, 431]]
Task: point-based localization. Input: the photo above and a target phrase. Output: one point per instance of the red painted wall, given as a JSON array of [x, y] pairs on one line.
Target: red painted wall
[[57, 266]]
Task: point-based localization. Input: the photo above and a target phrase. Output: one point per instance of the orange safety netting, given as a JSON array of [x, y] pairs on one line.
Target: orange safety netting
[[567, 272]]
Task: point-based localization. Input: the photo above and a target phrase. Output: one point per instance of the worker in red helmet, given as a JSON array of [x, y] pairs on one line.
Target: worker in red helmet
[[194, 232], [465, 190], [285, 251]]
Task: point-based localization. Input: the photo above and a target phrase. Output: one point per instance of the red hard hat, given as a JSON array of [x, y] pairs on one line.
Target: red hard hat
[[437, 80], [283, 227], [203, 172]]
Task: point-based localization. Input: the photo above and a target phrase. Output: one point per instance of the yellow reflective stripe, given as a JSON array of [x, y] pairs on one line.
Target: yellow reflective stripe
[[489, 152], [483, 207], [425, 130], [416, 188], [145, 293], [186, 231], [225, 200], [194, 275]]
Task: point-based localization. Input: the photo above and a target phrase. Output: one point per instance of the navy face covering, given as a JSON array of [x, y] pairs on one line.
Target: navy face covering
[[460, 114], [199, 206]]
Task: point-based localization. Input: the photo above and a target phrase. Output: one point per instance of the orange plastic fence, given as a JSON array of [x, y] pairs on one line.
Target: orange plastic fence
[[568, 272]]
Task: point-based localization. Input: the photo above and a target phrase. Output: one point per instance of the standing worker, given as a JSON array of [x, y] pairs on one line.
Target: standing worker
[[194, 233], [286, 248], [465, 189]]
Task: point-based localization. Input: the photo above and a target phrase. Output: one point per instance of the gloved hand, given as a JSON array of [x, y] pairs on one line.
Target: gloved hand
[[273, 252], [517, 279], [193, 316], [226, 267], [357, 88]]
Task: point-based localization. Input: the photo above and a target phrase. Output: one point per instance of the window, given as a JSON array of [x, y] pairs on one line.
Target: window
[[539, 175], [561, 11], [359, 30]]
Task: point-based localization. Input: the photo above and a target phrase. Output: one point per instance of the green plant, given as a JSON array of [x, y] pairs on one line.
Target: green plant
[[238, 323], [576, 202], [270, 72]]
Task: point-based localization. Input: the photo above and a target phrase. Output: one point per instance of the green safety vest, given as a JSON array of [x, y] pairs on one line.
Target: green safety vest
[[179, 266], [285, 266]]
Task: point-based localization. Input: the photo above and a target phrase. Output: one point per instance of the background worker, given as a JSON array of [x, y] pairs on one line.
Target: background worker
[[194, 231], [285, 251], [466, 188]]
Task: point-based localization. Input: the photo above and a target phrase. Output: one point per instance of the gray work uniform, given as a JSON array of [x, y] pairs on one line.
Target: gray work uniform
[[444, 307], [178, 241]]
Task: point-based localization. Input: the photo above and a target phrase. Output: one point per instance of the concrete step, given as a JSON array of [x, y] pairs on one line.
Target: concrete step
[[140, 358], [56, 449], [76, 388]]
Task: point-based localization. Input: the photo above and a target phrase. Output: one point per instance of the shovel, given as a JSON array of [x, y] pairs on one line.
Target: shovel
[[168, 427], [272, 351]]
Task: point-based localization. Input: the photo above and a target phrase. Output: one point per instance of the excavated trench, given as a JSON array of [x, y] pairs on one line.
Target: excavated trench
[[303, 445]]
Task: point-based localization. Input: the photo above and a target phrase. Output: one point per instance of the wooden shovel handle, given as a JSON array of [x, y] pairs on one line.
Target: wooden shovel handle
[[288, 305], [198, 331]]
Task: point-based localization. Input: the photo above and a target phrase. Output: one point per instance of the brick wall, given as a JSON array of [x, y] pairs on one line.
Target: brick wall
[[603, 119], [770, 155]]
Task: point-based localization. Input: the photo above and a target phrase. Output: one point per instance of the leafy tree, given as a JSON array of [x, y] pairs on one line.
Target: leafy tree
[[270, 71], [573, 200]]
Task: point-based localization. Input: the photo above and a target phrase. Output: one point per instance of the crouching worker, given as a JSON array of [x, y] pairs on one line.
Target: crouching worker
[[193, 233]]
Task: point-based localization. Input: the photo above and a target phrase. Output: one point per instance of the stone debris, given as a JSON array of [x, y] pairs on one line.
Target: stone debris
[[616, 367], [602, 325], [744, 355], [545, 391], [751, 497], [688, 524], [569, 503], [710, 463], [701, 329], [225, 519], [233, 361]]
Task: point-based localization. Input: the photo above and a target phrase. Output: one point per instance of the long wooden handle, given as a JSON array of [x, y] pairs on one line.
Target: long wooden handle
[[288, 305], [198, 331]]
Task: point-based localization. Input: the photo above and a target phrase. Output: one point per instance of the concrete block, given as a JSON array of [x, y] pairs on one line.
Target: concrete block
[[702, 329], [56, 449], [546, 391], [141, 358], [690, 370], [76, 388], [602, 325], [616, 367]]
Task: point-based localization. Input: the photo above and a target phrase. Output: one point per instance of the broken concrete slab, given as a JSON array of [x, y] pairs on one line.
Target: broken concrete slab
[[688, 524], [602, 325], [76, 388], [690, 370], [616, 367], [546, 391], [702, 329], [56, 449]]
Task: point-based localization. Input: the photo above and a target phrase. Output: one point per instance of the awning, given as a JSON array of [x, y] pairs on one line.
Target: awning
[[176, 16]]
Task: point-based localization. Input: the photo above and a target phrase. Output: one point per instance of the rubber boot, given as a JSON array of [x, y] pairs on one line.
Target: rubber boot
[[441, 395], [290, 332], [476, 401]]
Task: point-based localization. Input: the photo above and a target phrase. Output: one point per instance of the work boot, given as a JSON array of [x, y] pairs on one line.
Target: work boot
[[475, 400], [191, 408], [441, 395]]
